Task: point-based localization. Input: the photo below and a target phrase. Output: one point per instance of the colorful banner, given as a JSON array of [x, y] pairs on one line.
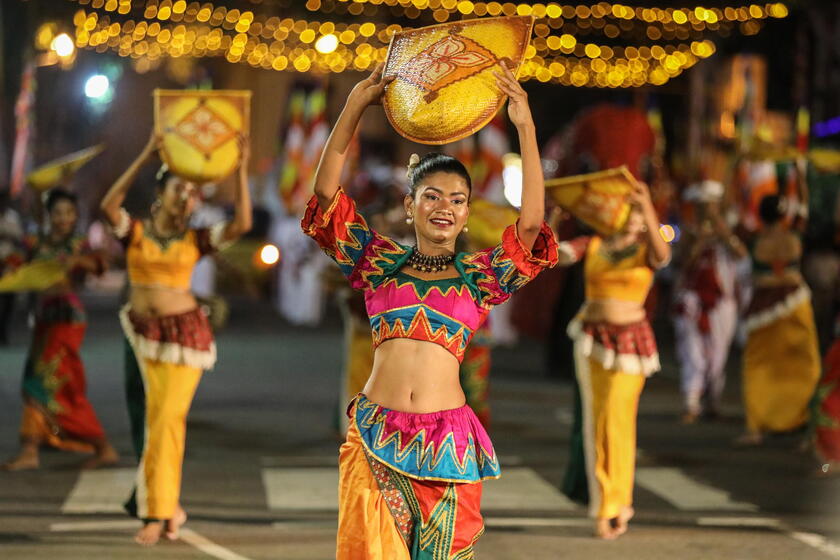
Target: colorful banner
[[24, 128]]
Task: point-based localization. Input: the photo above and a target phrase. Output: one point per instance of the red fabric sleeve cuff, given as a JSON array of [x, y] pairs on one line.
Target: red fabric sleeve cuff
[[541, 256]]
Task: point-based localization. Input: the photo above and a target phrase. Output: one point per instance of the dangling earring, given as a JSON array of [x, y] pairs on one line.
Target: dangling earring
[[466, 229], [409, 220], [156, 205]]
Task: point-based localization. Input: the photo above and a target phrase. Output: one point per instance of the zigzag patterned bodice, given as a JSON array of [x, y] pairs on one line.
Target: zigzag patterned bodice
[[439, 311], [446, 311]]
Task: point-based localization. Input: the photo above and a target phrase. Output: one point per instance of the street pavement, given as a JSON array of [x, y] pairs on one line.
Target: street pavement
[[260, 470]]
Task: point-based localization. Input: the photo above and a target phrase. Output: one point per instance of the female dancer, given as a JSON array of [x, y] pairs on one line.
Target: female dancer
[[170, 340], [781, 357], [56, 411], [615, 351], [825, 423], [415, 455]]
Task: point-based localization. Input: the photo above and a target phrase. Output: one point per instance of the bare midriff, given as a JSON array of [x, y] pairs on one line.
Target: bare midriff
[[414, 376], [159, 301], [615, 311]]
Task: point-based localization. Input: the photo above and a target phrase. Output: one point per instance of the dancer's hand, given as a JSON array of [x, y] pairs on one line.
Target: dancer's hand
[[518, 109], [640, 196], [369, 91]]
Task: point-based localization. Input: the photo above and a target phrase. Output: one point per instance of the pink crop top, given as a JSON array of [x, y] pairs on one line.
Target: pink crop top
[[447, 311]]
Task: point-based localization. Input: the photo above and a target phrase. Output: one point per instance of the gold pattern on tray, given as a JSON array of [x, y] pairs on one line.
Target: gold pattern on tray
[[598, 199], [199, 130], [444, 88]]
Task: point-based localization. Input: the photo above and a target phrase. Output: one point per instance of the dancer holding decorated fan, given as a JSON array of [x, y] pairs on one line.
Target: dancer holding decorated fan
[[412, 467]]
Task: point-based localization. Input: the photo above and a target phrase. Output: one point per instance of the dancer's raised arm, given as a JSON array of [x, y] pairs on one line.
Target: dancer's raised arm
[[532, 212], [327, 176], [242, 216], [112, 202], [660, 252]]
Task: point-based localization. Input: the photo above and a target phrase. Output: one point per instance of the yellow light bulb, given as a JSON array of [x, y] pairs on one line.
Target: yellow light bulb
[[567, 41]]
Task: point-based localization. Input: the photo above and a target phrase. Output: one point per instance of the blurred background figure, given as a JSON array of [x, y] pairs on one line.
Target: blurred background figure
[[11, 236], [781, 357], [706, 300], [825, 419], [615, 351], [56, 411]]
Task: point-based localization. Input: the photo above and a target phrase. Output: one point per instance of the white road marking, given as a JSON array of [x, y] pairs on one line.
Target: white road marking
[[209, 547], [819, 542], [189, 536], [301, 488], [100, 491], [316, 489], [523, 489], [95, 525], [684, 493]]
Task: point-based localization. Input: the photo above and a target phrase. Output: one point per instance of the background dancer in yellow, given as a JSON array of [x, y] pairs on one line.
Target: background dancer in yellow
[[615, 350], [169, 336], [781, 358]]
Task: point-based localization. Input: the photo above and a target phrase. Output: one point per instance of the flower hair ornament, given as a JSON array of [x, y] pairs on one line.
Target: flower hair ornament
[[413, 162]]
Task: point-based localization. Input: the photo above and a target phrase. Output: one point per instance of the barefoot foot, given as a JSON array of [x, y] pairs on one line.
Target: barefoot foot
[[622, 522], [26, 461], [105, 456], [689, 418], [604, 530], [173, 525], [149, 535]]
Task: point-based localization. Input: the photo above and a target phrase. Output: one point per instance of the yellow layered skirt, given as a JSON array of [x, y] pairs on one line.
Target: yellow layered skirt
[[781, 370]]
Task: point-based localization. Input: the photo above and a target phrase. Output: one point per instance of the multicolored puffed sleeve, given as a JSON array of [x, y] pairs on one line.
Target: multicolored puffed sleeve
[[364, 256], [498, 272]]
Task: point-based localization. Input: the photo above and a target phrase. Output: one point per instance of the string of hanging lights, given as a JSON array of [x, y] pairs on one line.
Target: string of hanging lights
[[178, 28]]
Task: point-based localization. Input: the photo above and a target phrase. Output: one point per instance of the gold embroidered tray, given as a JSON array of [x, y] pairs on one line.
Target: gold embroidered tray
[[444, 88], [598, 199], [200, 129]]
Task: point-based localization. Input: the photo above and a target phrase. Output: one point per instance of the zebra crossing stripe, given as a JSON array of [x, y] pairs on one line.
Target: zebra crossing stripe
[[522, 488], [687, 494], [316, 489], [310, 489], [818, 542], [100, 491]]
